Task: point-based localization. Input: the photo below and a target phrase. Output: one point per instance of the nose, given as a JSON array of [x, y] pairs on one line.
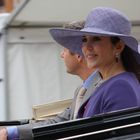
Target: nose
[[62, 54], [88, 46]]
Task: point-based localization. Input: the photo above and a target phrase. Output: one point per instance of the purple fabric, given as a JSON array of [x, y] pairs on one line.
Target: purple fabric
[[119, 92], [12, 133]]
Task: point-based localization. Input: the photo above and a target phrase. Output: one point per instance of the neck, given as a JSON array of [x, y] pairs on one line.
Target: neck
[[85, 73], [111, 70]]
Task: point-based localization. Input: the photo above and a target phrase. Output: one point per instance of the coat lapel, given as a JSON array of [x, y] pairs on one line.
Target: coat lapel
[[89, 92], [91, 88]]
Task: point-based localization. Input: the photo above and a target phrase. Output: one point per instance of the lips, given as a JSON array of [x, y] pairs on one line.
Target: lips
[[91, 56]]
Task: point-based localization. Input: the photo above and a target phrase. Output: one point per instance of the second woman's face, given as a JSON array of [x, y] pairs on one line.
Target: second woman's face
[[98, 51]]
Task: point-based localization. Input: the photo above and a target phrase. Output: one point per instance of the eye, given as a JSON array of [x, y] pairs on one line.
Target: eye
[[84, 39], [96, 39]]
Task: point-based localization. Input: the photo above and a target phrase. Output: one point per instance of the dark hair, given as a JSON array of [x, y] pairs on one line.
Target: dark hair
[[76, 25], [1, 3], [128, 59]]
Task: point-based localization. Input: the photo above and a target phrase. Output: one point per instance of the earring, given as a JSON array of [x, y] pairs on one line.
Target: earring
[[117, 56]]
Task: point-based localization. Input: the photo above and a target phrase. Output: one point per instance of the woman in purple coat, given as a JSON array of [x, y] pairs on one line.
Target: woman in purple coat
[[108, 46]]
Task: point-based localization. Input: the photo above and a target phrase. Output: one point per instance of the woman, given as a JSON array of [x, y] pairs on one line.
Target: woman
[[109, 47], [120, 88]]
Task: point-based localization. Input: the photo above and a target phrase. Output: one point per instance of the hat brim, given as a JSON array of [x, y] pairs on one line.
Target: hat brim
[[72, 39]]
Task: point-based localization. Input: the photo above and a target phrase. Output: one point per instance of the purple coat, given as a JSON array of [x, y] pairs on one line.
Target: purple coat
[[119, 92]]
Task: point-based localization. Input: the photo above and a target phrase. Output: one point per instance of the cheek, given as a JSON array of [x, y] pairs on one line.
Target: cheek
[[101, 50], [84, 50], [65, 59], [107, 56], [68, 60]]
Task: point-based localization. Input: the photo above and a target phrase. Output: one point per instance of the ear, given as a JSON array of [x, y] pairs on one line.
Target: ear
[[79, 57], [119, 47]]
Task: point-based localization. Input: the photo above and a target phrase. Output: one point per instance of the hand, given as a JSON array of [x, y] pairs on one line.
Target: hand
[[3, 134]]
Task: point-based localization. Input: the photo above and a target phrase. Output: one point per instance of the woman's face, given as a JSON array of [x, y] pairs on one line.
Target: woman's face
[[99, 52]]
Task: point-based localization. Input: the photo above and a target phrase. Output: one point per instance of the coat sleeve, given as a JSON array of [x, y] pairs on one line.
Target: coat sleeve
[[25, 131], [119, 95]]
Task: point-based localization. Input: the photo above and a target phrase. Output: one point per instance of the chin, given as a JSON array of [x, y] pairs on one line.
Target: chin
[[91, 65], [68, 71]]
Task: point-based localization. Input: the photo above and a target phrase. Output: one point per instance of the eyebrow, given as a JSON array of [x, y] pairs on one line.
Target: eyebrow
[[94, 38]]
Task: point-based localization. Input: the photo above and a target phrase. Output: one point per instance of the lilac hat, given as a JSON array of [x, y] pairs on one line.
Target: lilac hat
[[100, 21]]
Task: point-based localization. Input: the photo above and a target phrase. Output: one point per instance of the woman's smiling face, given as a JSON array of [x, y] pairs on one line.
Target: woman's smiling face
[[98, 51]]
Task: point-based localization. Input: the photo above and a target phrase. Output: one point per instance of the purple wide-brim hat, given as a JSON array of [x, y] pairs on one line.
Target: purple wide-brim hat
[[101, 21]]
